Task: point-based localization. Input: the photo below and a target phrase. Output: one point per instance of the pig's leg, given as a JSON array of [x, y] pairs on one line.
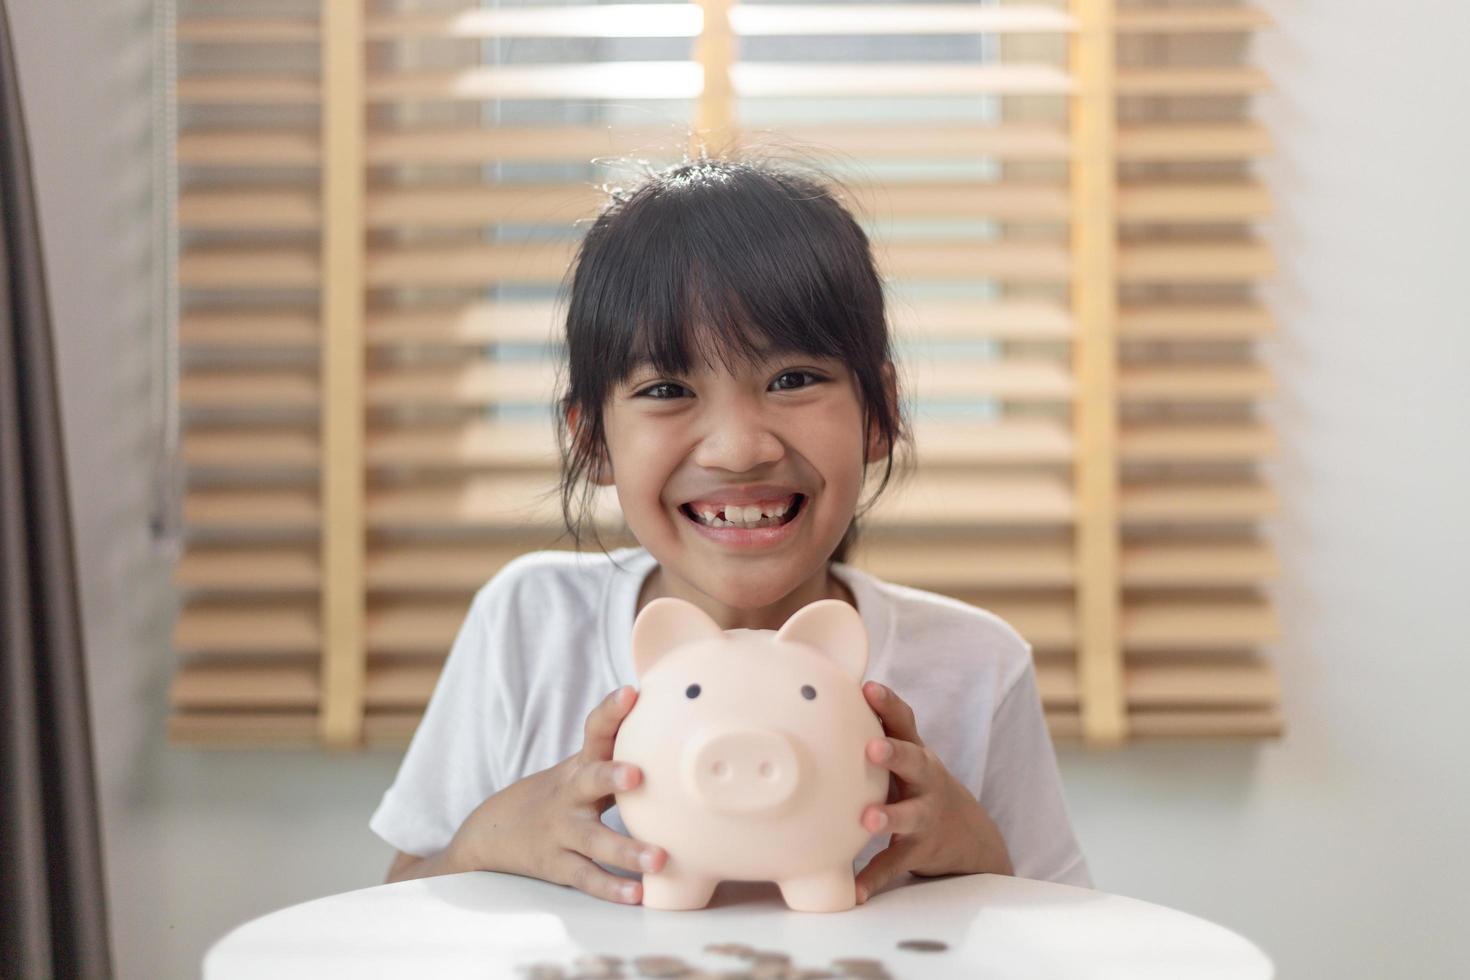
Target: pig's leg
[[673, 891], [828, 890]]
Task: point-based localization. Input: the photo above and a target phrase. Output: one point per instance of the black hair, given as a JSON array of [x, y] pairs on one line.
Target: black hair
[[715, 258]]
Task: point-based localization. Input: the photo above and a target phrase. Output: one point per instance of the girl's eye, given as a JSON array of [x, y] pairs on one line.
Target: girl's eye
[[791, 380], [692, 691], [808, 692], [663, 391]]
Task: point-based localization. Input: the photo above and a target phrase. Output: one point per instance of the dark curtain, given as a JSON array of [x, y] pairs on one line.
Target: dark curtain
[[53, 918]]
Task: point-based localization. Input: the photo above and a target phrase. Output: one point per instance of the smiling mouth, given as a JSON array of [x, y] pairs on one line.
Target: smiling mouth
[[741, 519]]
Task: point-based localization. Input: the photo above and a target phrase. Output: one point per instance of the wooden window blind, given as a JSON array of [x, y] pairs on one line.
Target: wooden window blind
[[378, 201]]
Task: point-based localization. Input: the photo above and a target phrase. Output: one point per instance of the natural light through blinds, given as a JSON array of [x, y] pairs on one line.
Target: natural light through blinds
[[1062, 200]]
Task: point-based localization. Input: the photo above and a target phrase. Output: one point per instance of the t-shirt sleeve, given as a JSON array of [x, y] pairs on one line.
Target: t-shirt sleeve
[[1022, 790], [450, 766]]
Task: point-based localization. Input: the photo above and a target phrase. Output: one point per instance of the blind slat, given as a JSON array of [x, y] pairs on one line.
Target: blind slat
[[1192, 141], [1204, 321], [1180, 502], [1205, 262], [271, 686], [940, 140], [249, 268], [1181, 203], [956, 563], [795, 80], [609, 20], [1155, 442], [1178, 82], [1197, 565], [246, 29], [257, 509], [256, 88], [467, 266], [1190, 20], [1180, 625], [251, 629], [930, 261], [298, 329], [1264, 723], [1179, 382], [607, 80], [243, 569], [842, 18]]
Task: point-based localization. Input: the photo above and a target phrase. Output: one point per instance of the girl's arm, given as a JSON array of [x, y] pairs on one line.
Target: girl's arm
[[407, 866]]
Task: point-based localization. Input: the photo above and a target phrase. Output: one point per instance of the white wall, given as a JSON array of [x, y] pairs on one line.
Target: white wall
[[1341, 849]]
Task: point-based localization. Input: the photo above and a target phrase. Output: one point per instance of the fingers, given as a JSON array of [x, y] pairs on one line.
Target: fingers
[[593, 839], [602, 724], [589, 841], [907, 817], [914, 764], [888, 863], [595, 780], [893, 711], [570, 868]]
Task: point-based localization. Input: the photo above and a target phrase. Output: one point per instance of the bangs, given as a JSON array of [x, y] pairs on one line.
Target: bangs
[[724, 271], [712, 325]]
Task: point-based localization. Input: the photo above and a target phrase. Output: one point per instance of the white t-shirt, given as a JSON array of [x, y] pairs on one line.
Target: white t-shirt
[[549, 637]]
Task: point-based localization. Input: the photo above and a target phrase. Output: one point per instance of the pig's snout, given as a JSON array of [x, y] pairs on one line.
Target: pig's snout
[[743, 771]]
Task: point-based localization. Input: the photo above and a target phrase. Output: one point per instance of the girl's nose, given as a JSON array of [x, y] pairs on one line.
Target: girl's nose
[[738, 443]]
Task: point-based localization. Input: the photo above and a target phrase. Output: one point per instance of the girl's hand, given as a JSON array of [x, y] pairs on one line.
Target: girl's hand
[[548, 825], [938, 827]]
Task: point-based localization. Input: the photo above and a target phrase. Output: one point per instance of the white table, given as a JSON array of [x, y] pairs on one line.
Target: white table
[[486, 925]]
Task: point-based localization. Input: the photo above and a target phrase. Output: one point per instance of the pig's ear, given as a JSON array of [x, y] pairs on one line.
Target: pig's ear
[[666, 623], [834, 628]]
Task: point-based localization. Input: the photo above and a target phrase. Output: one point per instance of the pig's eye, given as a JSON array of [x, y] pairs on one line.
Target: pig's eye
[[808, 692], [692, 691]]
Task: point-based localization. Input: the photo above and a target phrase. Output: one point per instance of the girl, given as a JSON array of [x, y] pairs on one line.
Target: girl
[[730, 376]]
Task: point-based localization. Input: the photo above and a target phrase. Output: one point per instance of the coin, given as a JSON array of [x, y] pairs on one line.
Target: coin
[[924, 945], [598, 968], [730, 949], [661, 966]]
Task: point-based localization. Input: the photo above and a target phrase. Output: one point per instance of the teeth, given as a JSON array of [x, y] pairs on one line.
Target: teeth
[[738, 515]]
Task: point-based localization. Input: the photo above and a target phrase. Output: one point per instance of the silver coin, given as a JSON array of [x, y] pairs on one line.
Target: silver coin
[[730, 949], [597, 968], [924, 945], [661, 966]]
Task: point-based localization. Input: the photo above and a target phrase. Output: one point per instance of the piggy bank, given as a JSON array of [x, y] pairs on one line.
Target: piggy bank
[[752, 747]]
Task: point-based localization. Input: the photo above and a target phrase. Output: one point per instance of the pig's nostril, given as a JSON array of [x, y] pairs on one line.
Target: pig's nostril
[[720, 770], [766, 770]]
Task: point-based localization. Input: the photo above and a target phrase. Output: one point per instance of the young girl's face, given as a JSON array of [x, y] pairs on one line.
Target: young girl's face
[[785, 431]]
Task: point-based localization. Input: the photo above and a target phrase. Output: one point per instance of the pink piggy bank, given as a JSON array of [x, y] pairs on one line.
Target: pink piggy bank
[[752, 746]]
